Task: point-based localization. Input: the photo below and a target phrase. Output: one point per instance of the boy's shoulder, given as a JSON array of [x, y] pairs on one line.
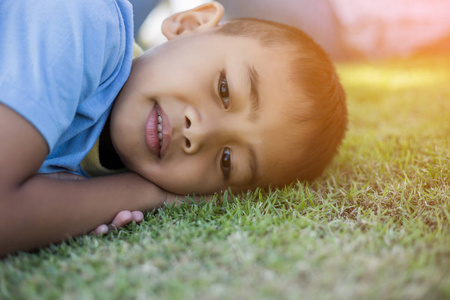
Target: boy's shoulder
[[66, 58], [58, 4], [71, 9]]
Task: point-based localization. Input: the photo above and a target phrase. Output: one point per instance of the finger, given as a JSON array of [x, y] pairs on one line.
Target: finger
[[137, 216], [101, 230], [122, 219]]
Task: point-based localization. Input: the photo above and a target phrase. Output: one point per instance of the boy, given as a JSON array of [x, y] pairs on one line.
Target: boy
[[240, 105]]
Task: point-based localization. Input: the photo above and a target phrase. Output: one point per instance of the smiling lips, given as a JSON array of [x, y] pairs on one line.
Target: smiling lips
[[157, 129]]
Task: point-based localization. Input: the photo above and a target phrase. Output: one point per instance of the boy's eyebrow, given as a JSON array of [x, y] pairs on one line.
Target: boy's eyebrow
[[253, 164], [254, 95]]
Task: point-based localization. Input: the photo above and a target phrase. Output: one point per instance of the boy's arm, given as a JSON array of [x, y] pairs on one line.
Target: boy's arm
[[121, 219], [36, 210]]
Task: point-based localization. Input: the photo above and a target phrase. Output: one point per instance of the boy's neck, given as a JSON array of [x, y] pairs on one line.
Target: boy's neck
[[107, 154]]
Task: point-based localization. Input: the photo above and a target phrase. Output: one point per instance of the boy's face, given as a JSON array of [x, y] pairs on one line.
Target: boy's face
[[221, 102]]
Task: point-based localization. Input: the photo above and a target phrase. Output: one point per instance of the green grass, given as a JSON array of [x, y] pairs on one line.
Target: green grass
[[375, 226]]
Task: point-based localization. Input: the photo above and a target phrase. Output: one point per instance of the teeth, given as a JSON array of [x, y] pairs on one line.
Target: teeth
[[159, 127]]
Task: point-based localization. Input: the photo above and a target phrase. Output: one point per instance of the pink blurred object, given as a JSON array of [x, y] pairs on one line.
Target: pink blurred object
[[349, 29], [385, 28]]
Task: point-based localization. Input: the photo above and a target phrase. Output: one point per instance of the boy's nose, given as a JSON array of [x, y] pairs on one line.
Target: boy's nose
[[197, 131], [191, 119]]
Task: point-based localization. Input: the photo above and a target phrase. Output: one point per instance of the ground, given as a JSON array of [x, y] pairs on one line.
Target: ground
[[376, 225]]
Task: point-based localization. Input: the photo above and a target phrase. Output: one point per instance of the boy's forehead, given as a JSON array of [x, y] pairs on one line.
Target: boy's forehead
[[284, 127], [282, 139]]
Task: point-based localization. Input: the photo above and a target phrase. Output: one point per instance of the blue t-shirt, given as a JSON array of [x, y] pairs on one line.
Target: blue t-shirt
[[62, 63]]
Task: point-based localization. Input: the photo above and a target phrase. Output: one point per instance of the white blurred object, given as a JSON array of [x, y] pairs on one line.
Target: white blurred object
[[181, 5], [150, 33]]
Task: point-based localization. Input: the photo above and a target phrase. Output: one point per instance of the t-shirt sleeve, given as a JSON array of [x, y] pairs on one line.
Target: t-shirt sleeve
[[53, 55]]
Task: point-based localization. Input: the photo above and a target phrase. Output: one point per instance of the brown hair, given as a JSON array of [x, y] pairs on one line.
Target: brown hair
[[318, 83]]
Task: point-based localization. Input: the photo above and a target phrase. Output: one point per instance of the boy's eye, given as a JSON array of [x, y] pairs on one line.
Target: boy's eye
[[223, 90], [225, 163]]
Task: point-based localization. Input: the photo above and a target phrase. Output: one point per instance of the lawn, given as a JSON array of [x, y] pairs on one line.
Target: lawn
[[376, 225]]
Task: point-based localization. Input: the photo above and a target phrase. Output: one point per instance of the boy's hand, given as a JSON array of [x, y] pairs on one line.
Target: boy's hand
[[120, 220], [125, 216]]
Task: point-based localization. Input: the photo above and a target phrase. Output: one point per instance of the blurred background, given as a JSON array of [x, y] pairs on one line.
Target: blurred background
[[346, 29]]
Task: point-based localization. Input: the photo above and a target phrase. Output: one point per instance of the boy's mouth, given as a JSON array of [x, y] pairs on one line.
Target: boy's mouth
[[157, 131]]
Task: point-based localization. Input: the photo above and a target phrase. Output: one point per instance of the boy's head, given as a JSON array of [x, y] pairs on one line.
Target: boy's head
[[245, 104]]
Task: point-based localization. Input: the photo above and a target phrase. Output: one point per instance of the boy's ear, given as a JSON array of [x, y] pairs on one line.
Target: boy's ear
[[197, 19]]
